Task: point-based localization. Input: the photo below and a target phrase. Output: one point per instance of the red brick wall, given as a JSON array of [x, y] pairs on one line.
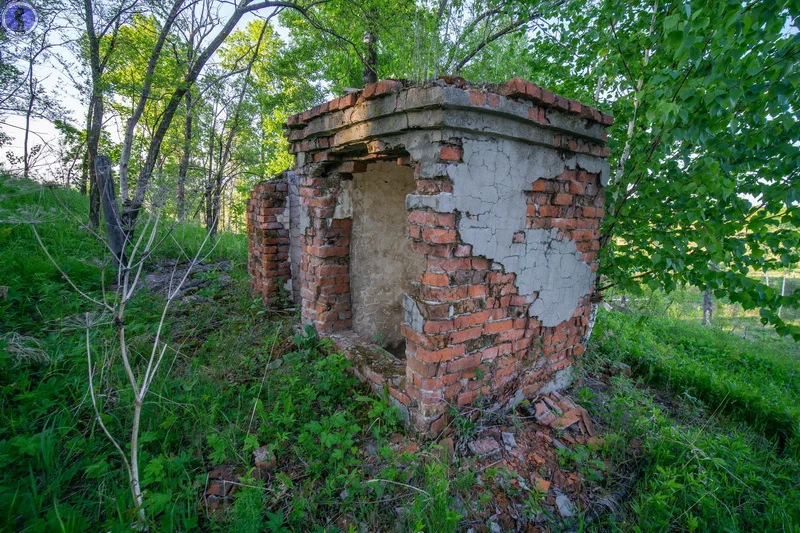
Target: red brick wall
[[325, 261], [477, 338], [573, 203], [268, 238]]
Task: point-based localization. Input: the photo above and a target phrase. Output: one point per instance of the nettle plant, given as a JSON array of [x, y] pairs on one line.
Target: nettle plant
[[112, 304]]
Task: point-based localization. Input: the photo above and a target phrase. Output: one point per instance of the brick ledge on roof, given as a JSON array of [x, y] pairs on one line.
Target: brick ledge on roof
[[480, 94]]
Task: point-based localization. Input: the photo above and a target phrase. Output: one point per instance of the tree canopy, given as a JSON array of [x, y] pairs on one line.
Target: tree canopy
[[704, 152]]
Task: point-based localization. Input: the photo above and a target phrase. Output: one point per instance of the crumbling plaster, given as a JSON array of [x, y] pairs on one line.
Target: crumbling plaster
[[489, 194]]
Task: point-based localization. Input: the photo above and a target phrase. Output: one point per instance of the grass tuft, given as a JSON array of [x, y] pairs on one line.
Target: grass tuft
[[748, 380]]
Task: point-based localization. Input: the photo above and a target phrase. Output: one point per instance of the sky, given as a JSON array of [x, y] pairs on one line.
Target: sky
[[61, 88]]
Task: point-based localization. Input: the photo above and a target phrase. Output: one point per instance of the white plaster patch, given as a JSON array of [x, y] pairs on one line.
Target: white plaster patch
[[287, 286], [561, 380], [411, 314], [295, 214], [305, 220], [593, 165], [344, 201], [441, 203], [488, 190], [283, 217]]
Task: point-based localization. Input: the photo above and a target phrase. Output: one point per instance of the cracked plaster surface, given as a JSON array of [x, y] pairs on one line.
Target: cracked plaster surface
[[489, 192], [412, 315]]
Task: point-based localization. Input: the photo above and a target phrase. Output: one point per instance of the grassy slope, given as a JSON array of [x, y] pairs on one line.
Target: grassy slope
[[704, 467], [57, 470], [36, 294], [752, 380], [686, 303], [222, 396]]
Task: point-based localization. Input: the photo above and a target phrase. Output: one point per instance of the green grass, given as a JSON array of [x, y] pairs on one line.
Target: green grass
[[59, 471], [233, 381], [686, 304], [719, 448], [222, 397], [35, 288], [752, 381], [696, 471]]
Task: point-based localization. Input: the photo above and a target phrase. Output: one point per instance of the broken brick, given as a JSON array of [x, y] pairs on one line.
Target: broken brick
[[451, 153]]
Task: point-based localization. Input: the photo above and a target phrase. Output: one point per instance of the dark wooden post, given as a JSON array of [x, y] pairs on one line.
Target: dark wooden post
[[108, 196]]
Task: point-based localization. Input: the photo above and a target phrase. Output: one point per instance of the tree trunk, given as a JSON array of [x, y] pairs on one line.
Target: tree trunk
[[131, 207], [370, 74], [594, 307], [209, 177], [221, 222], [783, 293], [105, 182], [708, 307], [207, 194], [214, 207], [92, 144], [212, 186], [28, 112], [183, 169], [96, 113], [214, 212], [84, 180], [144, 95], [595, 301]]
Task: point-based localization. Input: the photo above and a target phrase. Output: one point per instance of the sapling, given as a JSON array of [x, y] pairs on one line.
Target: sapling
[[113, 309]]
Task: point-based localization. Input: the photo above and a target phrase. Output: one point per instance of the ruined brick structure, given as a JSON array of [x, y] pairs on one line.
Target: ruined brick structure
[[444, 235]]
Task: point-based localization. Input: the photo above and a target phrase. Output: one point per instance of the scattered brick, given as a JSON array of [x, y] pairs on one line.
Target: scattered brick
[[540, 484], [485, 447]]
